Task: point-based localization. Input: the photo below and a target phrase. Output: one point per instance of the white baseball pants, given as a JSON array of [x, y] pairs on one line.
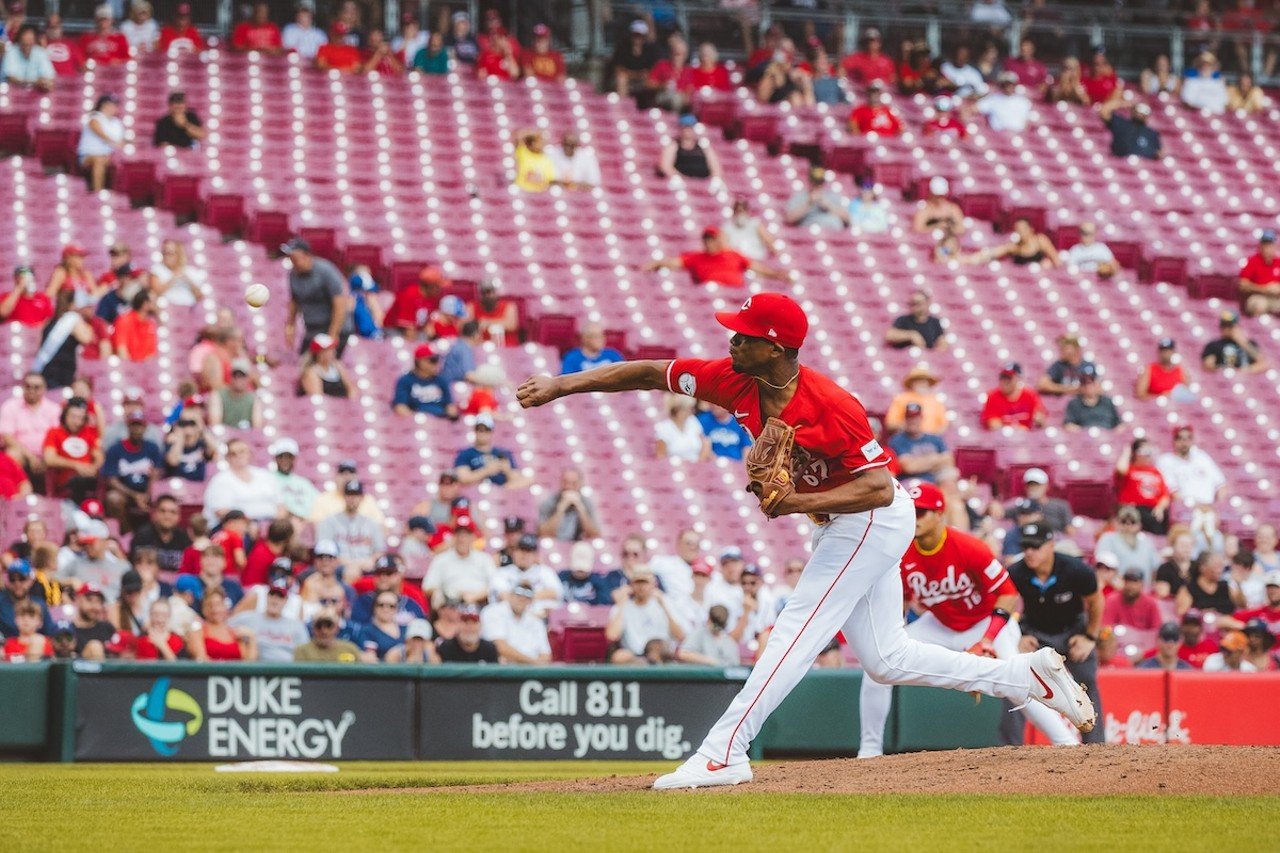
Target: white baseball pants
[[875, 698], [853, 583]]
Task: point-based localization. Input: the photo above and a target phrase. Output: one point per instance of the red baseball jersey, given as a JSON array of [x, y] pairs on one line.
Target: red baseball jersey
[[834, 443], [958, 582]]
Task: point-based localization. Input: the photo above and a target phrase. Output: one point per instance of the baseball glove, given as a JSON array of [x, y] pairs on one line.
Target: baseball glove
[[769, 465]]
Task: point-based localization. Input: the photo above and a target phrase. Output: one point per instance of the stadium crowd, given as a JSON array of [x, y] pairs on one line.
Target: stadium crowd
[[273, 566]]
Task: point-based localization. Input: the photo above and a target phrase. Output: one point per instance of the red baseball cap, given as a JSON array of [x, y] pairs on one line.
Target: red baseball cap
[[705, 566], [91, 507], [338, 28], [464, 522], [772, 316], [73, 249], [424, 351], [710, 231], [926, 496]]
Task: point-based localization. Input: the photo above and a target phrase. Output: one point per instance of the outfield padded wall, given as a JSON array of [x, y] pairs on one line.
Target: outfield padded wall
[[24, 708]]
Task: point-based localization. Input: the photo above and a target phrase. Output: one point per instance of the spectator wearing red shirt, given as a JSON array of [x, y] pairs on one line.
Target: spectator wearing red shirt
[[28, 645], [134, 335], [1140, 484], [944, 122], [230, 537], [1162, 376], [541, 61], [105, 45], [870, 63], [499, 318], [337, 54], [1031, 72], [181, 36], [1259, 278], [274, 545], [1132, 607], [378, 55], [669, 78], [1101, 84], [498, 60], [716, 264], [1196, 647], [13, 480], [258, 33], [411, 311], [72, 455], [1269, 613], [874, 115], [25, 304], [1012, 403], [65, 53], [709, 73]]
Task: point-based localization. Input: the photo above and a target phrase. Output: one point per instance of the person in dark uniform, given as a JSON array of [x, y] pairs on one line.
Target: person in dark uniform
[[1062, 608]]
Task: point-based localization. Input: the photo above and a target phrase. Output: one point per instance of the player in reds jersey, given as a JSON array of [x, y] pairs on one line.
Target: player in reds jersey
[[865, 521], [967, 596]]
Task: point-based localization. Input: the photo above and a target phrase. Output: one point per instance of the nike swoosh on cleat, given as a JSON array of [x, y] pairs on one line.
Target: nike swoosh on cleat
[[713, 766], [1048, 691]]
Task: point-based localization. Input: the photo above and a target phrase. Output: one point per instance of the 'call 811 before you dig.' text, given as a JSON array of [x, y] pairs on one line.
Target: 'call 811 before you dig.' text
[[622, 726]]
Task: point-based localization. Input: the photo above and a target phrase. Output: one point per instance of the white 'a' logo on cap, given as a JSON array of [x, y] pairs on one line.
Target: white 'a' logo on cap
[[746, 304]]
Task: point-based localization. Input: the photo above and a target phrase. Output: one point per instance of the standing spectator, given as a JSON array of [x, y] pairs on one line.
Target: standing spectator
[[175, 282], [535, 170], [317, 294], [1203, 87], [460, 574], [25, 420], [1030, 72], [25, 304], [1232, 348], [1007, 109], [1089, 407], [568, 515], [421, 390], [920, 327], [1207, 589], [181, 37], [378, 56], [921, 455], [359, 538], [937, 210], [1012, 403], [237, 405], [1163, 376], [639, 618], [100, 138], [130, 469], [1132, 136], [1061, 608], [870, 63], [498, 59], [1091, 256], [728, 438], [322, 373], [817, 206], [104, 44], [134, 336], [26, 63], [242, 486], [1101, 83], [1230, 657], [180, 126], [140, 29], [1166, 655], [680, 436], [574, 165], [461, 42], [72, 454], [337, 54], [1196, 482], [1065, 374], [689, 154], [1260, 277], [1132, 548], [515, 630], [591, 351], [875, 115], [484, 460], [258, 32], [1140, 484], [302, 36], [541, 61], [633, 60]]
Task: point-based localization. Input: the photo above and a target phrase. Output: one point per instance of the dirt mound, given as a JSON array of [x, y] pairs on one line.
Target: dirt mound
[[1088, 770]]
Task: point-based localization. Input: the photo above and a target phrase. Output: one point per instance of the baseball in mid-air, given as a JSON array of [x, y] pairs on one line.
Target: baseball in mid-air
[[257, 295]]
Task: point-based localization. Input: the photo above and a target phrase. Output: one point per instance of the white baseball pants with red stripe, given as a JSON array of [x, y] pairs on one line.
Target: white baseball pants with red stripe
[[853, 584], [875, 698]]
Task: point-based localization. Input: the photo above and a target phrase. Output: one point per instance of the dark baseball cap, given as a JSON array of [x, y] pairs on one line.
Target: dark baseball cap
[[421, 522], [280, 586], [1010, 368], [1026, 506], [1134, 575], [512, 524], [131, 581], [1228, 318], [527, 542], [1193, 617], [353, 487], [297, 244], [387, 564], [1088, 372], [347, 466], [914, 409], [1169, 632], [448, 477], [234, 515], [1167, 343], [1035, 534]]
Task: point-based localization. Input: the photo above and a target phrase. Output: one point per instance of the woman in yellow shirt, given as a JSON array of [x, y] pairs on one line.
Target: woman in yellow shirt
[[535, 172]]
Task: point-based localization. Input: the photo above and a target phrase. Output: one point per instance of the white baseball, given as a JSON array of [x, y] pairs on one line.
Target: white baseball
[[257, 295]]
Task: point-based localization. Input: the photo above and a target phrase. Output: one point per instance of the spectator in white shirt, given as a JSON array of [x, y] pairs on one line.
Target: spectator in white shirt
[[1007, 110], [1203, 87], [1089, 255], [101, 137], [1233, 645], [643, 616], [242, 486], [680, 436], [576, 167], [991, 13], [966, 78], [303, 36], [746, 234], [461, 574], [711, 644], [26, 63], [141, 29], [527, 571], [514, 627], [1196, 481]]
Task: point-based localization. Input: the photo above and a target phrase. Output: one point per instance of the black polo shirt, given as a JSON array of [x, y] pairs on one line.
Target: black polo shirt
[[1056, 605]]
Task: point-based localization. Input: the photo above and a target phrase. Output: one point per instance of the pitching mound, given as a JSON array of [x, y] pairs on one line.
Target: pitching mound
[[1089, 770]]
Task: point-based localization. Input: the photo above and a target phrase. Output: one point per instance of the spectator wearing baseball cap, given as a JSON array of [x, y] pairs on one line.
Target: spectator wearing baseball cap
[[541, 61], [1064, 375], [1089, 408], [415, 303], [818, 206], [181, 35], [414, 541], [874, 115], [359, 538], [716, 263], [257, 32], [1163, 376], [438, 508], [297, 493], [1012, 403], [468, 646], [1260, 641], [640, 617], [26, 304], [387, 575], [515, 629], [922, 455], [131, 468], [417, 647], [322, 373], [462, 573], [919, 327], [1260, 277], [422, 390], [1133, 607], [567, 514], [1023, 511], [1233, 348], [279, 633], [20, 586], [634, 56], [333, 500], [236, 404], [1165, 655], [1232, 646], [1134, 549], [484, 460], [1056, 512], [318, 296], [325, 646], [581, 582], [528, 570], [101, 563]]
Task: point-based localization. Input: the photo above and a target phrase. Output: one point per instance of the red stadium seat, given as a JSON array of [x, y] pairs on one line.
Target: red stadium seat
[[137, 180], [14, 136], [225, 212], [270, 228]]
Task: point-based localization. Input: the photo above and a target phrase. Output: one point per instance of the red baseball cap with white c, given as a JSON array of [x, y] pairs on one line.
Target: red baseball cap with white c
[[926, 496], [772, 316]]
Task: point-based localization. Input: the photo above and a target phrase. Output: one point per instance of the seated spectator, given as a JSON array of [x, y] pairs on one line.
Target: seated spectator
[[498, 316], [1026, 246], [870, 63], [1065, 374], [991, 14], [72, 274], [325, 645], [181, 36], [1264, 548], [1132, 136], [535, 170], [64, 51], [180, 126], [1162, 376], [333, 500], [324, 585], [366, 306], [541, 61], [917, 71], [920, 327], [817, 206], [1166, 655], [1232, 646], [1196, 647], [27, 644], [689, 154], [1007, 110], [1259, 278], [1012, 403], [1089, 407], [140, 28], [568, 515], [1175, 572], [188, 448], [1103, 87], [25, 304], [574, 165], [669, 77], [174, 281], [498, 59], [415, 541], [716, 264], [1140, 484], [709, 72], [1246, 96], [484, 460], [460, 41], [591, 351], [1031, 73], [336, 54], [1133, 549], [868, 212], [960, 73], [14, 482], [1203, 87], [468, 646], [1232, 349], [461, 573], [258, 32], [383, 632], [1133, 607], [746, 234], [711, 644], [322, 373], [1159, 78], [680, 436], [917, 388], [210, 358], [104, 44], [302, 36], [874, 115], [641, 616], [71, 453], [421, 390], [948, 249], [1260, 640], [242, 486], [417, 646], [1196, 482], [237, 405], [581, 583], [359, 538], [26, 63], [100, 565], [134, 336], [937, 210], [944, 123], [459, 363], [433, 57], [102, 135], [388, 577], [159, 641], [410, 312], [378, 56], [120, 284], [130, 469], [1054, 512], [1245, 576], [1089, 255], [515, 630], [728, 438], [921, 455], [784, 80]]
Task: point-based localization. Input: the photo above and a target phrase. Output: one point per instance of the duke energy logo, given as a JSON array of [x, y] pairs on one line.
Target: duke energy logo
[[149, 711]]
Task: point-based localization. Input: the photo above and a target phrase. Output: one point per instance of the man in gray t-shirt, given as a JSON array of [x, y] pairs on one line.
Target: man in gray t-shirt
[[317, 294], [711, 644], [359, 538], [568, 514], [277, 635]]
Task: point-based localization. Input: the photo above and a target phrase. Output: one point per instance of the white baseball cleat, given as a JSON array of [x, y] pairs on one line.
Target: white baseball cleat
[[698, 772], [1052, 685]]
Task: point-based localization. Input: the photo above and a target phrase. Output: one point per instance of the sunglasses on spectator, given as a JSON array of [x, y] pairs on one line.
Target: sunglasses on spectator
[[1129, 521], [117, 251], [330, 600], [188, 423], [385, 604], [633, 553], [17, 577]]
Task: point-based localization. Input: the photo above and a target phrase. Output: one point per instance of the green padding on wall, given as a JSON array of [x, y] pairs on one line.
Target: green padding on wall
[[24, 706], [820, 715], [931, 718]]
